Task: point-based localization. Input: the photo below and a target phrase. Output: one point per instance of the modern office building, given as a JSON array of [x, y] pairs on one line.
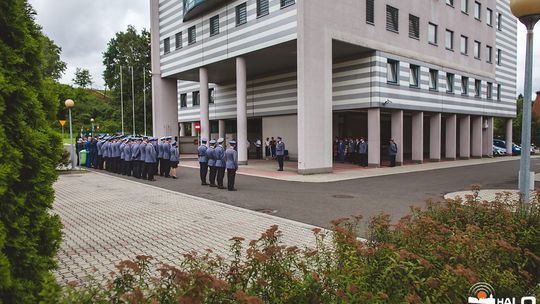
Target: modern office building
[[432, 74]]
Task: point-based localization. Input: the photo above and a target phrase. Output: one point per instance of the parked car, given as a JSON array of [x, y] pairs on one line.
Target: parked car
[[498, 151], [516, 150]]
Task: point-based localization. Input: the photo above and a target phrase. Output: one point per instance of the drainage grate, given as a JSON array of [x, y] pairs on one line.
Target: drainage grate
[[266, 211], [342, 196]]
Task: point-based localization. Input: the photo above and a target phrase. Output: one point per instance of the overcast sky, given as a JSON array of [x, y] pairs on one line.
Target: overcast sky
[[83, 28]]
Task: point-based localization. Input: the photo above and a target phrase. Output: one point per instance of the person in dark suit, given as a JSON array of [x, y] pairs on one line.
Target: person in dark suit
[[203, 161], [392, 151], [231, 163], [219, 153]]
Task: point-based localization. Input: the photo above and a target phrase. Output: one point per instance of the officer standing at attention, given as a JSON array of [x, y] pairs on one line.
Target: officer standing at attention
[[128, 157], [219, 153], [144, 167], [363, 151], [203, 161], [122, 155], [392, 151], [136, 157], [100, 153], [151, 159], [160, 155], [175, 158], [280, 152], [231, 163], [166, 158], [210, 155]]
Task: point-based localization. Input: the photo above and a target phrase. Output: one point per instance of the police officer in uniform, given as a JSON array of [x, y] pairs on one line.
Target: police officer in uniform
[[210, 155], [203, 161], [160, 155], [151, 159], [128, 155], [144, 167], [219, 153], [122, 157], [136, 157], [280, 153], [99, 146], [166, 158], [231, 163]]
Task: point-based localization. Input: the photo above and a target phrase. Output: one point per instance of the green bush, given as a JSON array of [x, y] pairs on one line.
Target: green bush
[[433, 255], [29, 153]]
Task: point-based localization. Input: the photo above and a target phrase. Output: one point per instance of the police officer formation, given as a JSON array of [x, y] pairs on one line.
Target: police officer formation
[[216, 159], [142, 157], [355, 151]]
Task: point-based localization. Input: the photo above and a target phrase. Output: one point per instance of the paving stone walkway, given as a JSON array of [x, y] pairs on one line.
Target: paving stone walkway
[[108, 219]]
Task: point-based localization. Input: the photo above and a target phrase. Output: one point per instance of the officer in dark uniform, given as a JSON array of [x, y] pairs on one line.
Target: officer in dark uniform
[[210, 155], [160, 155], [151, 159], [166, 158], [128, 157], [219, 153], [144, 167], [231, 163], [203, 161], [136, 157]]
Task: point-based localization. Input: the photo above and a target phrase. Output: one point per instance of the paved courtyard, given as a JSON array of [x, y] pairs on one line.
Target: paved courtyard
[[108, 219]]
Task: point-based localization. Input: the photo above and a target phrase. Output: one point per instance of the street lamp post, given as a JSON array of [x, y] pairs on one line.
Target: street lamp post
[[92, 121], [528, 12], [70, 104]]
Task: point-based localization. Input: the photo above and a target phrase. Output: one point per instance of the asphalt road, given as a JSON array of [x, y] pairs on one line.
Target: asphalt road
[[319, 203]]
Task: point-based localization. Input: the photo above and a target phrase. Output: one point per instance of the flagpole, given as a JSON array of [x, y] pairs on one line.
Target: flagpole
[[122, 100], [144, 98], [133, 98]]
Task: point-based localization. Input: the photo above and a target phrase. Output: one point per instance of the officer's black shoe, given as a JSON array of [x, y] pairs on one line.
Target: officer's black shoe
[[213, 185], [233, 189], [280, 169], [204, 184], [174, 177], [221, 187]]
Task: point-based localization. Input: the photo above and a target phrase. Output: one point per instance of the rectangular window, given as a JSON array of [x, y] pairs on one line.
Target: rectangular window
[[195, 96], [477, 10], [241, 14], [414, 76], [489, 54], [465, 6], [499, 92], [433, 79], [211, 95], [392, 19], [450, 2], [449, 40], [370, 11], [489, 17], [262, 8], [192, 36], [464, 85], [477, 88], [499, 56], [499, 21], [414, 27], [214, 25], [183, 100], [178, 40], [432, 33], [167, 45], [449, 83], [285, 3], [464, 45], [476, 49], [392, 72], [489, 93]]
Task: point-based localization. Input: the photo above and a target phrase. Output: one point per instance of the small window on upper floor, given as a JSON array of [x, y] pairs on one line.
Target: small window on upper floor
[[183, 100], [498, 92], [214, 25], [195, 98], [432, 33], [241, 14], [167, 45], [449, 83], [464, 85], [414, 27], [499, 21], [285, 3], [433, 79], [489, 17], [370, 11], [192, 35], [414, 76], [489, 92], [211, 95], [392, 19], [476, 49], [477, 88], [262, 8], [450, 2], [178, 40], [392, 72], [489, 54], [499, 56], [465, 6], [449, 40], [464, 47], [477, 10]]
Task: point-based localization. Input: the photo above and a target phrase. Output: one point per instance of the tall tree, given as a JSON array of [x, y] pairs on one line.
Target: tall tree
[[54, 66], [29, 152], [127, 50], [82, 79]]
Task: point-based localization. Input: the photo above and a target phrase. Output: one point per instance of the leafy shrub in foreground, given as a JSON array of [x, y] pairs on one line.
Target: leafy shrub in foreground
[[432, 255]]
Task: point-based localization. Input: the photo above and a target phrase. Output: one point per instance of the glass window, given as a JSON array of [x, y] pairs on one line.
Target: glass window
[[433, 79], [489, 54], [262, 8], [464, 45], [211, 95], [370, 11], [449, 83], [498, 92], [450, 2], [414, 27], [449, 40], [167, 45], [178, 40], [392, 18], [499, 21], [392, 73], [477, 87], [465, 6], [192, 37], [499, 56], [285, 3], [432, 33], [489, 93], [241, 14], [464, 85], [477, 10], [214, 25], [476, 49], [195, 96], [414, 76], [489, 17], [183, 100]]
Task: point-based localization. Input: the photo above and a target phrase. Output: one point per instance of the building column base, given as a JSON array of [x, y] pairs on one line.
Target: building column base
[[315, 171], [464, 158], [418, 162], [435, 160], [374, 166], [243, 163], [450, 159], [399, 163], [476, 157]]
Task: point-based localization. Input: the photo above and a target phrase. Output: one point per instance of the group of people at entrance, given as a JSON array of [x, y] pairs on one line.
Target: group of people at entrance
[[141, 157], [355, 151], [216, 159]]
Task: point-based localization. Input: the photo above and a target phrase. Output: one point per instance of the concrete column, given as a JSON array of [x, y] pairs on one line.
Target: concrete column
[[221, 128], [465, 137], [374, 137], [164, 91], [314, 67], [476, 140], [204, 101], [182, 129], [509, 138], [418, 137], [487, 137], [397, 134], [241, 110], [435, 137], [193, 131], [451, 133]]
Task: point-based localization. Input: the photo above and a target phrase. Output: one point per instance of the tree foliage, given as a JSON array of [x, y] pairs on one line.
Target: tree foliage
[[500, 125], [29, 152], [129, 49], [82, 79]]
